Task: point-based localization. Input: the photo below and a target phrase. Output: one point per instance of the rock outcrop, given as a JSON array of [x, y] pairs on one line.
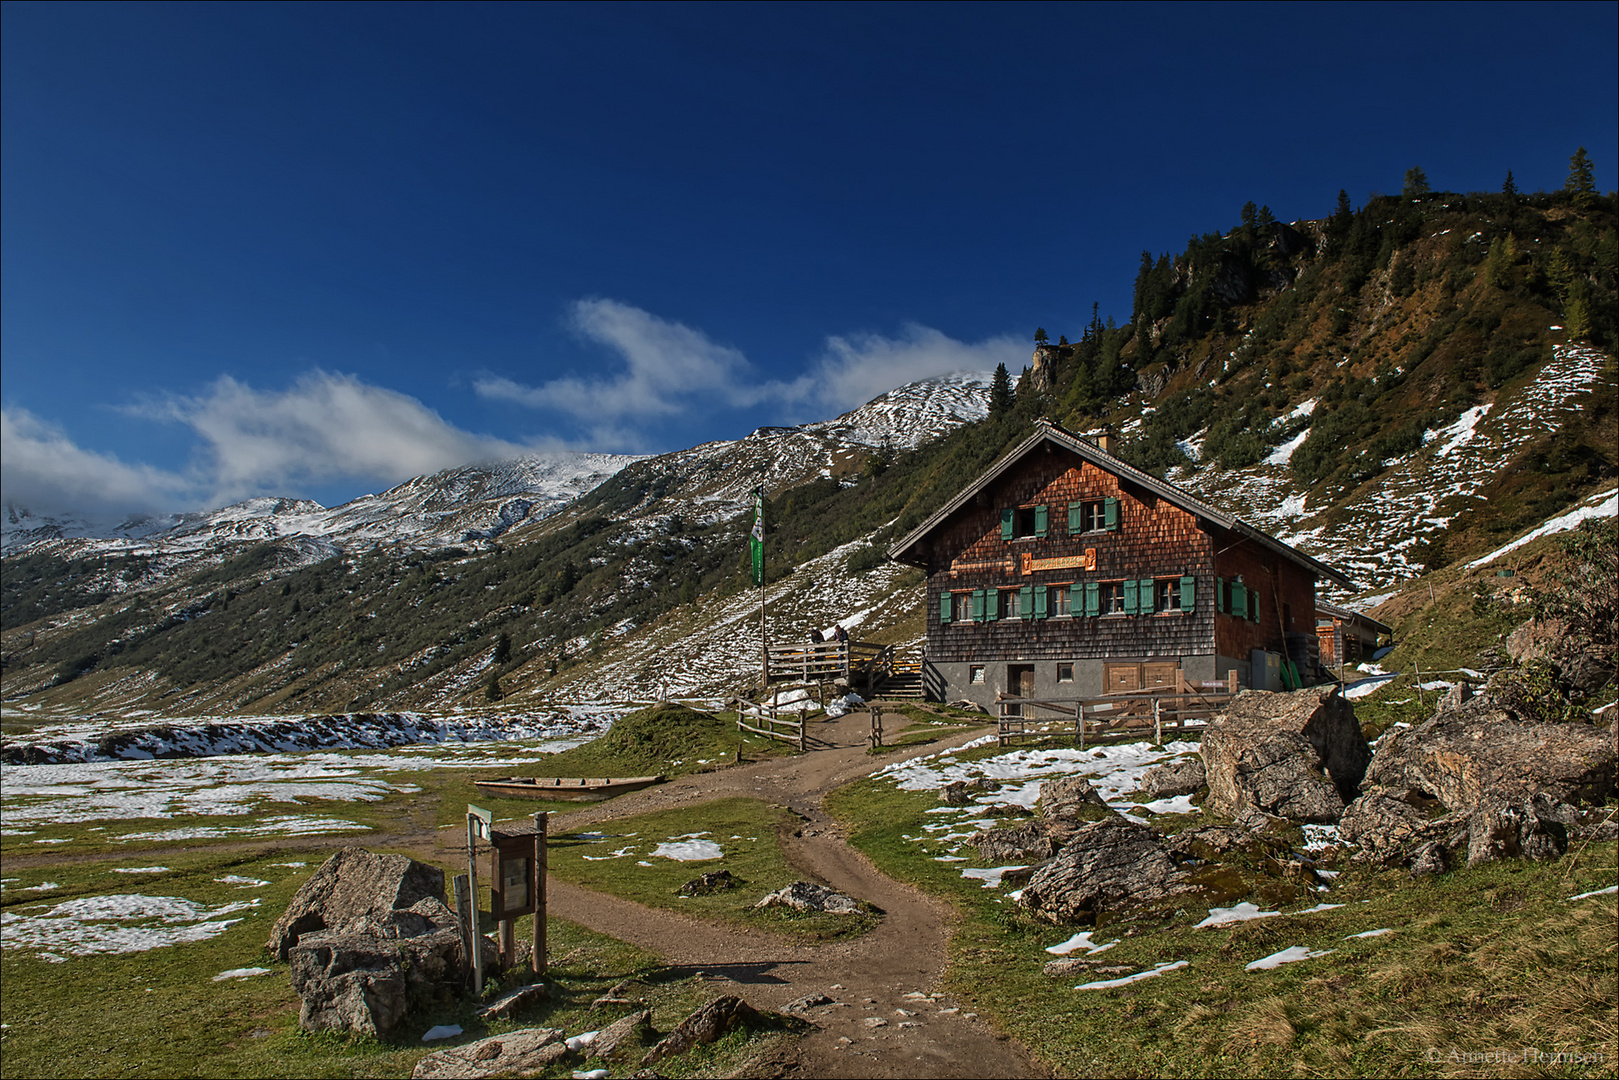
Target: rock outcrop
[[708, 1024], [1477, 778], [1182, 776], [516, 1053], [808, 896], [1107, 864], [369, 938], [359, 892], [1298, 755]]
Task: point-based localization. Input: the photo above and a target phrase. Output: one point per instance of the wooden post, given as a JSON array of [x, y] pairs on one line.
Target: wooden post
[[472, 890], [876, 726], [539, 958], [1418, 669], [803, 726], [1157, 723], [1081, 720], [466, 903]]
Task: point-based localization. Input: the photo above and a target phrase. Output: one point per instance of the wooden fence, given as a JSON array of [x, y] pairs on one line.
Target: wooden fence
[[774, 726], [1116, 718], [859, 661]]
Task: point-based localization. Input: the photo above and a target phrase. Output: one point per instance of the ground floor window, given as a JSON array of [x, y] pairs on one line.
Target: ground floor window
[[1065, 673], [977, 674]]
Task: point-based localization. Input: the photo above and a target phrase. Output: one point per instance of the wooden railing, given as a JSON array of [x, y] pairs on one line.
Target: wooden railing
[[815, 661], [775, 727], [1115, 718]]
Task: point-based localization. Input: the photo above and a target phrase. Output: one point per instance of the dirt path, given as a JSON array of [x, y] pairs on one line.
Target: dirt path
[[888, 1019]]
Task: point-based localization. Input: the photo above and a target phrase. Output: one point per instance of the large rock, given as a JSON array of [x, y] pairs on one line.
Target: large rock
[[1182, 776], [359, 892], [1478, 778], [368, 984], [1068, 796], [1028, 841], [1108, 864], [808, 896], [516, 1053], [614, 1035], [1297, 755], [708, 1024]]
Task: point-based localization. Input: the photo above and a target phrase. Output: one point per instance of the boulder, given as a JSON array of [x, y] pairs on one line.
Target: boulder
[[708, 1024], [614, 1035], [1108, 864], [1066, 796], [1463, 755], [367, 983], [1182, 776], [808, 896], [513, 1002], [1028, 841], [1478, 777], [1297, 755], [359, 892], [964, 792], [516, 1053], [712, 882]]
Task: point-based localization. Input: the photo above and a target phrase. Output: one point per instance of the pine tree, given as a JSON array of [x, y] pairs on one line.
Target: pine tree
[[1266, 219], [503, 648], [1581, 181], [1040, 335], [1416, 183], [1000, 393], [1508, 187], [1577, 312]]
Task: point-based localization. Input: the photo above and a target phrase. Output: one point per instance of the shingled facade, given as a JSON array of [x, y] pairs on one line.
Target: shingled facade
[[1065, 572]]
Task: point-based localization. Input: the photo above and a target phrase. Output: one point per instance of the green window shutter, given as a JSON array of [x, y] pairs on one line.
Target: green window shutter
[[1041, 519], [1093, 598], [944, 608], [1042, 606], [1025, 605], [1220, 604], [1149, 596], [1253, 606], [1239, 600], [1008, 523], [1188, 593], [1132, 603], [1110, 514], [992, 604], [1073, 518], [978, 605]]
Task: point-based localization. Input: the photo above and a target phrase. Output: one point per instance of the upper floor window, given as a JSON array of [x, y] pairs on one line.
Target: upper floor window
[[1167, 595], [1093, 515], [1023, 521]]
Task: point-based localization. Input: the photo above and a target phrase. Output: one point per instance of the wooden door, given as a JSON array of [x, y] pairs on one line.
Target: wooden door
[[1121, 678], [1160, 676]]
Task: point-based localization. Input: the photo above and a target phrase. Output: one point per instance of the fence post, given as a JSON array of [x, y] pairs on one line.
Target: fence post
[[803, 726], [1082, 725], [1157, 722], [539, 960]]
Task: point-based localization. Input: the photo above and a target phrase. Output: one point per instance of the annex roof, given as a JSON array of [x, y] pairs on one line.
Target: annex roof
[[1348, 615], [905, 550]]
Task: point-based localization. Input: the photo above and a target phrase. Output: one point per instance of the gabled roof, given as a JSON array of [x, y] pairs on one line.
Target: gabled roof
[[904, 552], [1322, 607]]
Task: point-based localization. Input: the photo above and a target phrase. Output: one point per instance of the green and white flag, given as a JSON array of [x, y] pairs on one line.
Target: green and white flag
[[756, 541]]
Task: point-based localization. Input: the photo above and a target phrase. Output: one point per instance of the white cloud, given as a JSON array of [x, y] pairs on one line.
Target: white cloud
[[671, 368], [325, 427], [858, 367], [43, 470]]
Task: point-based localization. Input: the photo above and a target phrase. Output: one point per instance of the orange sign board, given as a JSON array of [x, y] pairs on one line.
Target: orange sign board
[[1086, 561]]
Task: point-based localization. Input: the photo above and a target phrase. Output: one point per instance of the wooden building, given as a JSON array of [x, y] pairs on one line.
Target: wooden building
[[1347, 637], [1065, 572]]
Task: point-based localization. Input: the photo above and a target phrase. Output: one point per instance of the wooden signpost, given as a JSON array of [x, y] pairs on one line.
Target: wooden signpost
[[517, 873]]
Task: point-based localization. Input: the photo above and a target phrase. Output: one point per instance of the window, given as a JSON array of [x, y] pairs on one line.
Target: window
[[1093, 515], [1011, 606], [1023, 521], [1111, 598], [1167, 595], [1057, 600], [1065, 673], [977, 675]]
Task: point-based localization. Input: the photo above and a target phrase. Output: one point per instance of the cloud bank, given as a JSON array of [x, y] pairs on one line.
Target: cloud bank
[[667, 368], [325, 427]]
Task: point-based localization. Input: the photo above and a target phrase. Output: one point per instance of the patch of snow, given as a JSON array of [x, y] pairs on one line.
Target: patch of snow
[[241, 973], [1369, 933], [1137, 977], [441, 1031], [1079, 941], [1241, 913], [108, 924], [1602, 505], [688, 850], [1609, 891], [1290, 955]]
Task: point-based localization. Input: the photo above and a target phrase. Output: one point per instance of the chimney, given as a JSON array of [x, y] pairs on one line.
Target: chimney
[[1104, 441]]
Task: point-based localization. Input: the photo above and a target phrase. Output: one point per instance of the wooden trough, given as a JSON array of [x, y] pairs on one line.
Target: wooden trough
[[567, 788]]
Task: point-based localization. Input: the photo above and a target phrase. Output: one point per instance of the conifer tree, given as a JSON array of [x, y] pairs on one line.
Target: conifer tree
[[1508, 187], [1416, 183], [1266, 219], [1000, 393], [1581, 181], [1040, 335]]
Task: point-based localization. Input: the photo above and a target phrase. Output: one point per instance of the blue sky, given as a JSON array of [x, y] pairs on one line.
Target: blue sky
[[314, 250]]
